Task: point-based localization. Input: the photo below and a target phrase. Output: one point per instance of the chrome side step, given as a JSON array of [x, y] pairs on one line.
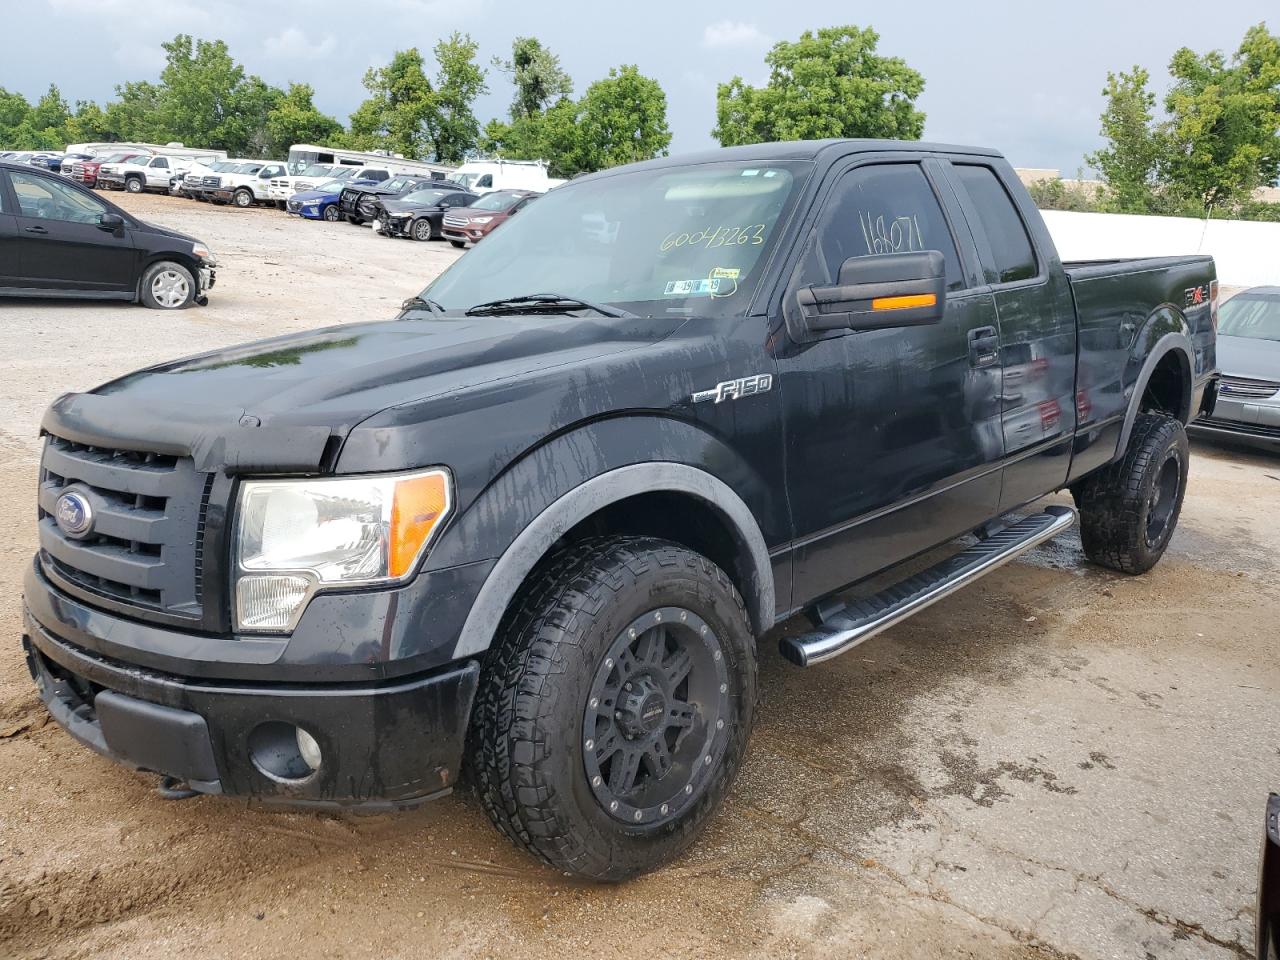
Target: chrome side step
[[844, 629]]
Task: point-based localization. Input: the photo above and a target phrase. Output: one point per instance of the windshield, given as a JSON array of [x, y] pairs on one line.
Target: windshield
[[424, 196], [497, 201], [222, 166], [344, 174], [329, 186], [691, 240], [249, 168], [397, 184], [468, 180], [118, 157], [1257, 318]]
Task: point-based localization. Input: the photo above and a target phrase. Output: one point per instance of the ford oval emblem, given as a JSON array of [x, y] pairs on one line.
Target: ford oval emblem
[[73, 513]]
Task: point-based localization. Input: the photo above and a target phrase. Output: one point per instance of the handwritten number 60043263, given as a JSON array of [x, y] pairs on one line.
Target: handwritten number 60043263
[[712, 237]]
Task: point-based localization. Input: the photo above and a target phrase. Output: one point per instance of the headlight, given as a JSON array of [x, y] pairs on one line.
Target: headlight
[[294, 537], [481, 219], [201, 251]]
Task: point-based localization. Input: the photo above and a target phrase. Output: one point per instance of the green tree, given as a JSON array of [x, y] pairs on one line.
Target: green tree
[[622, 119], [1133, 160], [831, 83], [538, 78], [452, 128], [207, 100], [1224, 121], [400, 102], [135, 114], [295, 119]]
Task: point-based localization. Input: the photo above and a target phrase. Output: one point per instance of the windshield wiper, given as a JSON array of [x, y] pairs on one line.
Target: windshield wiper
[[542, 303], [414, 303]]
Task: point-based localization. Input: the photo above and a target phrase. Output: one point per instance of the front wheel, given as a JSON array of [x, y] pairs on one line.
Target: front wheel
[[243, 198], [168, 286], [422, 229], [616, 706], [1129, 509], [330, 213], [458, 243], [133, 185]]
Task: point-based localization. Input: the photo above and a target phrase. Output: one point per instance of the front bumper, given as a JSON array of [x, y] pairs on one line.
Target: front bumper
[[394, 226], [1256, 423], [110, 180], [382, 745]]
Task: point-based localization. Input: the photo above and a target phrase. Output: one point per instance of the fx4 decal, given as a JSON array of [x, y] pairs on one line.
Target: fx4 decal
[[736, 389]]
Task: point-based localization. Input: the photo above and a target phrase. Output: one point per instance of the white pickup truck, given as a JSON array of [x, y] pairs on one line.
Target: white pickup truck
[[247, 184], [145, 173]]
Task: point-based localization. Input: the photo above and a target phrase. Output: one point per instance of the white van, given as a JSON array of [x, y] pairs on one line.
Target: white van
[[484, 176]]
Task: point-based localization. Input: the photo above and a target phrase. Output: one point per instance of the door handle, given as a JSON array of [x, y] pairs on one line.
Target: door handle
[[984, 346], [36, 230]]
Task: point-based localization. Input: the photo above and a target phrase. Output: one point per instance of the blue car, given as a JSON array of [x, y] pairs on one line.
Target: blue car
[[318, 204]]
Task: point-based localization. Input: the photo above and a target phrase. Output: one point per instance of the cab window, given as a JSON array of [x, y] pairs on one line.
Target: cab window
[[47, 199], [160, 163], [1014, 257], [888, 208]]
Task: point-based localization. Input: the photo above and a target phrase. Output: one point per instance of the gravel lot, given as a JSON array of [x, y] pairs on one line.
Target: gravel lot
[[1057, 762]]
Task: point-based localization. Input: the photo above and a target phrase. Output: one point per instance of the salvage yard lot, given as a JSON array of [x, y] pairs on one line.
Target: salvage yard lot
[[1056, 762]]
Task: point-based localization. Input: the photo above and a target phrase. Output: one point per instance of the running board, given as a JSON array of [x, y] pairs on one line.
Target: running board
[[844, 629]]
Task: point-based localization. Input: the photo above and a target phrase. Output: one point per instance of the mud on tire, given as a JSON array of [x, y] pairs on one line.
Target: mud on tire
[[534, 716], [1129, 509]]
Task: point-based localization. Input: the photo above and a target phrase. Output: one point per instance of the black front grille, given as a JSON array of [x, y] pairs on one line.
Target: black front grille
[[294, 205], [146, 544], [1244, 429]]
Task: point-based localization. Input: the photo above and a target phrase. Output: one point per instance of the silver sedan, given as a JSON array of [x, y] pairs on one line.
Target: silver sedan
[[1248, 407]]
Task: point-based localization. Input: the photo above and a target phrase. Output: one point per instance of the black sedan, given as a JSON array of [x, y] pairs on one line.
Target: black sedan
[[419, 214], [60, 239]]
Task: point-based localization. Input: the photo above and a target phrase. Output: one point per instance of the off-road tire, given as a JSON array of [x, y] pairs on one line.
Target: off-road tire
[[527, 750], [134, 185], [355, 221], [242, 198], [1120, 503]]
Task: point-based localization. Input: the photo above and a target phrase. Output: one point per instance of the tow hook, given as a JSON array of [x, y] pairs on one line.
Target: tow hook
[[171, 788]]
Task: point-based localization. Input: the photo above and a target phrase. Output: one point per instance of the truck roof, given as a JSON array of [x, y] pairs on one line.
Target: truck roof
[[802, 150]]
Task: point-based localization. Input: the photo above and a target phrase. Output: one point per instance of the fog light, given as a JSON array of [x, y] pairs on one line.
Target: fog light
[[309, 749], [283, 752], [270, 602]]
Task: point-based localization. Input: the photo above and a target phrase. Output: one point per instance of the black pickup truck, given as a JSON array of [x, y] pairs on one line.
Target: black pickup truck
[[533, 527]]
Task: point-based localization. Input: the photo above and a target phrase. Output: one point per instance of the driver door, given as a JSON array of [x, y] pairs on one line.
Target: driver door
[[61, 245]]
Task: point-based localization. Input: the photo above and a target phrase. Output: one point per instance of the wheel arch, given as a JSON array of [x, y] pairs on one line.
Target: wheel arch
[[728, 533], [1165, 380]]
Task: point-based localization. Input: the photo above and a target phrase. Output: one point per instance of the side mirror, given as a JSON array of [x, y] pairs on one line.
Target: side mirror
[[879, 292], [111, 222]]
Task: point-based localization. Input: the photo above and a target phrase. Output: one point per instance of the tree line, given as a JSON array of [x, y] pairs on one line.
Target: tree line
[[1217, 139]]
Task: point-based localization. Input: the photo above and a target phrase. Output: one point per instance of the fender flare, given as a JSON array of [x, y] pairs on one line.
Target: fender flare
[[1174, 341], [562, 514]]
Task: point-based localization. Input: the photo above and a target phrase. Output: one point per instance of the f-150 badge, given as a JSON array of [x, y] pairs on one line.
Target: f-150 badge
[[736, 389]]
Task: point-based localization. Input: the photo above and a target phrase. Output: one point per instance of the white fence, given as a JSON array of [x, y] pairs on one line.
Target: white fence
[[1247, 254]]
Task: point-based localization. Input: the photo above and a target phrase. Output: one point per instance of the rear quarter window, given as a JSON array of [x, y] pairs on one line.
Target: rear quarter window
[[1013, 256]]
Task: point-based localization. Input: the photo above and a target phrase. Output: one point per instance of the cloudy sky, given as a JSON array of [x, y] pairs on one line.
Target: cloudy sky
[[1025, 78]]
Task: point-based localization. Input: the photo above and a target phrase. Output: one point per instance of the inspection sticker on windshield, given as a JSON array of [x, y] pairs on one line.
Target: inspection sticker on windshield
[[725, 273], [708, 286]]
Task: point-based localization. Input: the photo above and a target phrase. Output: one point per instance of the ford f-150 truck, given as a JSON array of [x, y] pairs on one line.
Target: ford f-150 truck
[[536, 525]]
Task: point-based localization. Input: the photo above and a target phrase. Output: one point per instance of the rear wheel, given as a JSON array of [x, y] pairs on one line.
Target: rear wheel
[[281, 205], [167, 286], [616, 707], [422, 229], [1129, 510]]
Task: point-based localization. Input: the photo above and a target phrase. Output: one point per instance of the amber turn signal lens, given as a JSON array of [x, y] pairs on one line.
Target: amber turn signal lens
[[904, 303], [420, 504]]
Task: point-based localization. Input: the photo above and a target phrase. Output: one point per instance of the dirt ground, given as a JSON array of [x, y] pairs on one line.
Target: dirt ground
[[1057, 762]]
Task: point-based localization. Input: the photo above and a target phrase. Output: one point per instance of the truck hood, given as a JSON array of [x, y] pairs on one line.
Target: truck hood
[[276, 405], [1249, 357]]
